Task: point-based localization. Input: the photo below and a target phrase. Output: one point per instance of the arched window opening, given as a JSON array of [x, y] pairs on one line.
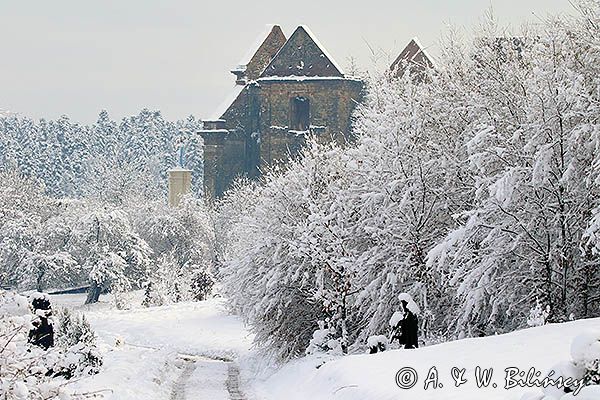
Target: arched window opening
[[300, 114]]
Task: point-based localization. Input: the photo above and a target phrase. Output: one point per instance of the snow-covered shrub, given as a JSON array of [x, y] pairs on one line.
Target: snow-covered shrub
[[152, 295], [183, 250], [538, 314], [377, 343], [171, 283], [324, 340], [72, 329], [583, 368], [290, 266], [396, 318], [26, 371], [410, 303], [202, 283], [228, 211], [585, 352], [77, 341]]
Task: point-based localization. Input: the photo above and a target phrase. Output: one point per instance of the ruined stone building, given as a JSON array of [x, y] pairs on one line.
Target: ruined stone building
[[285, 89]]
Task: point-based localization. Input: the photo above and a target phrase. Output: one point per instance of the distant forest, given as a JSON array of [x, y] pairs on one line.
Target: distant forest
[[74, 160]]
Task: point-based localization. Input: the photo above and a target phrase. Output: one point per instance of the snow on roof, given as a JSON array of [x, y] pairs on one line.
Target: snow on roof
[[227, 102], [323, 49], [306, 78], [424, 51], [255, 46]]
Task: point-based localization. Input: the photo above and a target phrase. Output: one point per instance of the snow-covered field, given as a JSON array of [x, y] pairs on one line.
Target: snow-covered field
[[147, 364]]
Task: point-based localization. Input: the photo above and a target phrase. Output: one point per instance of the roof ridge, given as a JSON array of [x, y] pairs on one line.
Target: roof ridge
[[321, 47], [317, 43], [424, 50], [256, 45]]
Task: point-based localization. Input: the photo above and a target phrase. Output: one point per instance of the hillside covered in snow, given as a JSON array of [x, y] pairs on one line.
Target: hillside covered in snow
[[373, 376]]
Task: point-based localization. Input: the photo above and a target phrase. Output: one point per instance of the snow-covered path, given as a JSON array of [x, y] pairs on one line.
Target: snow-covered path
[[179, 391], [204, 378], [186, 351]]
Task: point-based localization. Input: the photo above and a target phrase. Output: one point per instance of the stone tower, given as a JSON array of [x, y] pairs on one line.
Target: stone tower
[[285, 90], [180, 183]]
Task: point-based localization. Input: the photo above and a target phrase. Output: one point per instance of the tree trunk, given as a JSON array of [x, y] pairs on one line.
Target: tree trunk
[[93, 293], [39, 282]]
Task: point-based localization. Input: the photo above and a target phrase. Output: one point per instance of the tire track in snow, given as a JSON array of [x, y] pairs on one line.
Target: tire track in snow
[[214, 371], [233, 382], [178, 391]]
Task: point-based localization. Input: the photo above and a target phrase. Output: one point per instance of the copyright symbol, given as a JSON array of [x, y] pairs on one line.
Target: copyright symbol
[[406, 378]]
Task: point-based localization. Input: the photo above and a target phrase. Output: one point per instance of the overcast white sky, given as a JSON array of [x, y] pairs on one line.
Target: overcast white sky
[[77, 57]]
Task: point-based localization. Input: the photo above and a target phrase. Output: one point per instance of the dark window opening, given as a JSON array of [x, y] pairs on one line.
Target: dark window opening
[[300, 114]]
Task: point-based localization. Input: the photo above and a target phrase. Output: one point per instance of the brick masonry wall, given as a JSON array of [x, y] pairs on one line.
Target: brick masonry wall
[[331, 106]]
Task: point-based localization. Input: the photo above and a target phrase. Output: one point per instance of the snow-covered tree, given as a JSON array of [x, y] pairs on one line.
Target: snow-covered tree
[[75, 336], [33, 253], [182, 242], [268, 256], [74, 160], [472, 190], [532, 153], [107, 247]]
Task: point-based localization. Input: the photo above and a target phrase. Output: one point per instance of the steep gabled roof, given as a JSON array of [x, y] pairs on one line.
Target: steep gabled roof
[[266, 45], [251, 65], [302, 55], [415, 57], [227, 103]]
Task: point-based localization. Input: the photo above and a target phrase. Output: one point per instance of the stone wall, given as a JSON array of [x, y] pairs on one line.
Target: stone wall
[[331, 104]]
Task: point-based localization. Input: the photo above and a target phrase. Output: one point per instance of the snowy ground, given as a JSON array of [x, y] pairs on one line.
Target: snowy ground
[[360, 377], [163, 352], [183, 352]]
